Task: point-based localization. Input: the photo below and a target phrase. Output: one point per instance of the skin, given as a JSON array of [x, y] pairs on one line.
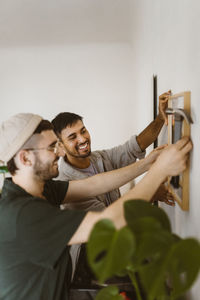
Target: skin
[[77, 144], [168, 161], [37, 166], [151, 132]]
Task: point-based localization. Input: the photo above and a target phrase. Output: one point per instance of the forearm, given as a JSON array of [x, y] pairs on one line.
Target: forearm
[[171, 162], [145, 189], [105, 182], [150, 133]]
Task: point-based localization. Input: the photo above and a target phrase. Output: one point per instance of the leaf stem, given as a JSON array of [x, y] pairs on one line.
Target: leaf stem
[[135, 284]]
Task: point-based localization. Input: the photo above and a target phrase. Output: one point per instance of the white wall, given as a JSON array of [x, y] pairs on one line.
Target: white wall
[[166, 42], [92, 80]]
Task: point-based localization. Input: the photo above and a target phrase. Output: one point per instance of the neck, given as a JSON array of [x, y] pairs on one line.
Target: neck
[[78, 162], [31, 185]]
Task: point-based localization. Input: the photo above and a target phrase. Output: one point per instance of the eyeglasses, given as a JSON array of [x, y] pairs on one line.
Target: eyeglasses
[[52, 148]]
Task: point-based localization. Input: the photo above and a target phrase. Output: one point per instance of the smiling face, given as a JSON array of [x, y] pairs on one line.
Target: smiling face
[[76, 140], [46, 160]]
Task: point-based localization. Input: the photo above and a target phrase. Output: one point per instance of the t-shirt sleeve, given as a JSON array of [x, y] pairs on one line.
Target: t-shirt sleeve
[[44, 231], [55, 191], [124, 154]]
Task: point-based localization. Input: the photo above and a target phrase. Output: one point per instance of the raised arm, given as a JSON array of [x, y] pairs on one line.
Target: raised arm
[[108, 181], [172, 161], [151, 132]]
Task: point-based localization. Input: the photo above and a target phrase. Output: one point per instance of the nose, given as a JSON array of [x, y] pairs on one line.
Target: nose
[[81, 139], [60, 150]]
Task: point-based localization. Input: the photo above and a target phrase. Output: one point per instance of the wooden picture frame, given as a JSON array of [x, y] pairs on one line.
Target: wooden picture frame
[[180, 191]]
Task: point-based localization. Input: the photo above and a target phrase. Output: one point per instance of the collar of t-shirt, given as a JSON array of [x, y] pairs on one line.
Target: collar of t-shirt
[[91, 170]]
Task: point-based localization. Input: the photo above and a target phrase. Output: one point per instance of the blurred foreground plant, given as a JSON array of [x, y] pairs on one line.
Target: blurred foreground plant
[[161, 265]]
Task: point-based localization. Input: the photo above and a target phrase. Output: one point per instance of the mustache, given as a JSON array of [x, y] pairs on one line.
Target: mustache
[[86, 141]]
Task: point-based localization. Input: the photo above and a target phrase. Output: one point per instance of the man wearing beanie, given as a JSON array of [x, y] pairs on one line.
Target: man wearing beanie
[[35, 234]]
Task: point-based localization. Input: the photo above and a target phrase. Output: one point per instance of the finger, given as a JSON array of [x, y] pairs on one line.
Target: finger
[[170, 197], [182, 142], [187, 148], [161, 147], [165, 95], [171, 203]]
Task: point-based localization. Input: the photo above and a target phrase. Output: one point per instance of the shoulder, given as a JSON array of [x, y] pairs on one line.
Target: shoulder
[[10, 211]]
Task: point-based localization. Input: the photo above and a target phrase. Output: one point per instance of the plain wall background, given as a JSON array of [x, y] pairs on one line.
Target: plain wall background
[[166, 42], [97, 58]]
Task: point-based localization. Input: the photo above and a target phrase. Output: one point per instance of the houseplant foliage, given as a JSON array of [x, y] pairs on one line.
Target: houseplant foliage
[[3, 169], [160, 264]]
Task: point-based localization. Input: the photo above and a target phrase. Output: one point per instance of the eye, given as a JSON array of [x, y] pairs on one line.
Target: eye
[[72, 137], [83, 130]]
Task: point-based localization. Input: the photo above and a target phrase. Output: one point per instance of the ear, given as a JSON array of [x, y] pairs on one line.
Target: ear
[[25, 158]]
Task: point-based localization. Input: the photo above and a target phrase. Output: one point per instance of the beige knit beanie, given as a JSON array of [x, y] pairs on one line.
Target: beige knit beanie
[[15, 132]]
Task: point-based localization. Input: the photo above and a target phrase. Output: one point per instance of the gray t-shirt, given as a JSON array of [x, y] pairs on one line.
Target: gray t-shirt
[[102, 161], [90, 171]]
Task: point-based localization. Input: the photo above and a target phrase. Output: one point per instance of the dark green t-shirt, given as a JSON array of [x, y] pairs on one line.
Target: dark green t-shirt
[[34, 256]]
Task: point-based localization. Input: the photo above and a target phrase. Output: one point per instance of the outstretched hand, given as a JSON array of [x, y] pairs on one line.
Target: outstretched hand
[[163, 102], [153, 155], [172, 161], [163, 195]]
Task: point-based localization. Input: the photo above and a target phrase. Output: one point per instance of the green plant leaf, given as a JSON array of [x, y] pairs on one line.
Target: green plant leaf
[[151, 245], [109, 251], [174, 272], [136, 209], [184, 265], [166, 265], [3, 169], [109, 293]]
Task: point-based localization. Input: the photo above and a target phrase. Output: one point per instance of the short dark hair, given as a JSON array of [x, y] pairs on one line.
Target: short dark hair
[[11, 166], [43, 125], [64, 119]]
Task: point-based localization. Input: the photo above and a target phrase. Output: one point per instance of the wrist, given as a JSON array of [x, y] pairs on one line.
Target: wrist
[[159, 172], [160, 117], [146, 164]]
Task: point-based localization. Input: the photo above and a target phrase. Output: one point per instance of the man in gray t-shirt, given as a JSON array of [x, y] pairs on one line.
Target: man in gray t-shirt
[[79, 162]]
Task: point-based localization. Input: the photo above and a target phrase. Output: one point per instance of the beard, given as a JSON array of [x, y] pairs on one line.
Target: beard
[[45, 171], [83, 155], [78, 155]]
